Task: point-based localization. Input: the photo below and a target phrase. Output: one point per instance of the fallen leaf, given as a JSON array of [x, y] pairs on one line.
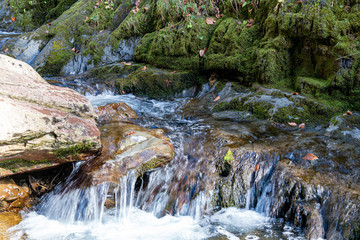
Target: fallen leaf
[[202, 52], [210, 20], [298, 2], [144, 68], [292, 124], [170, 145], [310, 157], [294, 93], [125, 63], [129, 133], [257, 167], [302, 125], [73, 49], [13, 18], [174, 72], [87, 18], [168, 82], [217, 98], [7, 49], [250, 23], [347, 113]]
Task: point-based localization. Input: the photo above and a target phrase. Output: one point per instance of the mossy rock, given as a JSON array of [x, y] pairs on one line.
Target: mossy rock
[[176, 47], [154, 82], [277, 106]]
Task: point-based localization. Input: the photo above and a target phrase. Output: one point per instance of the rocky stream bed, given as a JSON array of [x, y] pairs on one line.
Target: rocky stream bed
[[130, 132]]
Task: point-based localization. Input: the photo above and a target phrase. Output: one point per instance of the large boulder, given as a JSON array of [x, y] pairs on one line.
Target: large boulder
[[41, 123]]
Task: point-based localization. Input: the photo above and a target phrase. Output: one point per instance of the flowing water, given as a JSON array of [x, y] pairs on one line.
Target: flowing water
[[171, 202]]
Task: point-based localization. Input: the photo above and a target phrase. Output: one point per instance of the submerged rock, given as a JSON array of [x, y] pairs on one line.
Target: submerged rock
[[41, 124], [115, 112], [12, 197], [127, 147]]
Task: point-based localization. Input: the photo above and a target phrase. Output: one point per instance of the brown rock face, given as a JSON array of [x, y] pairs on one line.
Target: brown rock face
[[38, 120], [127, 147], [115, 112], [12, 197]]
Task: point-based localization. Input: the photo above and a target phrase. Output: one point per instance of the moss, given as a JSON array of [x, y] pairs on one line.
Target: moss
[[75, 149], [229, 157], [151, 164], [157, 82], [58, 57], [19, 165], [177, 46]]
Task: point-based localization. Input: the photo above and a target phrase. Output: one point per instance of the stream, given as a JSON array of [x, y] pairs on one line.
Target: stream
[[142, 209]]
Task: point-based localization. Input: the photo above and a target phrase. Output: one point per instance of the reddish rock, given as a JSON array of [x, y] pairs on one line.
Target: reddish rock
[[115, 112], [39, 120]]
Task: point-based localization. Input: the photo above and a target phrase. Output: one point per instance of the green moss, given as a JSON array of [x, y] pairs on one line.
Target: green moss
[[157, 82], [151, 164], [75, 149], [58, 57], [229, 157], [18, 165], [177, 46]]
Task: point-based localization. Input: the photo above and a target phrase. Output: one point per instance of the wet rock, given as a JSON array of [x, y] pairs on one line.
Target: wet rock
[[127, 147], [41, 123], [239, 103], [346, 127], [8, 220], [115, 112], [12, 197]]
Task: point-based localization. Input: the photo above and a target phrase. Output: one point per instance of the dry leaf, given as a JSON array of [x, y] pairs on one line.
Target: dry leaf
[[298, 2], [310, 157], [87, 18], [294, 93], [302, 125], [7, 49], [217, 98], [210, 20], [13, 18], [73, 49], [125, 63], [347, 113], [202, 52], [257, 167], [292, 124], [144, 68], [174, 72], [250, 23], [129, 133]]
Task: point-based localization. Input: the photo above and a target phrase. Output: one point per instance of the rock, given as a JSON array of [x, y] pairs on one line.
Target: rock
[[8, 220], [115, 112], [127, 147], [239, 103], [41, 123], [346, 127], [12, 197]]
